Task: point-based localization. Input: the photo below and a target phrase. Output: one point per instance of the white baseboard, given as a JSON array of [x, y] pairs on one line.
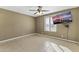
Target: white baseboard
[[59, 38], [6, 40]]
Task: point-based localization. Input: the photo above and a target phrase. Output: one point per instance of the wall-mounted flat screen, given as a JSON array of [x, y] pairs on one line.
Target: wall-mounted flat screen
[[63, 17]]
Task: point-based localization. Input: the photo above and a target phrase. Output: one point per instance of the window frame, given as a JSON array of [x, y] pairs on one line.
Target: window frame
[[50, 25]]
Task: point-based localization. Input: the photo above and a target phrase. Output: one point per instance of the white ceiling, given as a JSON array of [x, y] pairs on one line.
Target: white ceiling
[[25, 9]]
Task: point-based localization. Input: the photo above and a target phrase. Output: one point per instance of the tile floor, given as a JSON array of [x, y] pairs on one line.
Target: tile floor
[[37, 43]]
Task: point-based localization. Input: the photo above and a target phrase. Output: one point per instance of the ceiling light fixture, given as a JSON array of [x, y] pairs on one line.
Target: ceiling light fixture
[[39, 11]]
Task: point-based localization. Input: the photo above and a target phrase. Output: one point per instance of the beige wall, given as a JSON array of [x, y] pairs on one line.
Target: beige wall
[[61, 30], [14, 24]]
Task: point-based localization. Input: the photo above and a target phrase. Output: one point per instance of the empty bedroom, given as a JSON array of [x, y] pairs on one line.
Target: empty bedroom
[[39, 29]]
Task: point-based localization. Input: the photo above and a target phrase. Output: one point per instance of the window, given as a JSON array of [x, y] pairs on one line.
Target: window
[[48, 24]]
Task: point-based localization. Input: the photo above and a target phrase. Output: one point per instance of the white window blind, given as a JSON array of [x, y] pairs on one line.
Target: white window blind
[[48, 24]]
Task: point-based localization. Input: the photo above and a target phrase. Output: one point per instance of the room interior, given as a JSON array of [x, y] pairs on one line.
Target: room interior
[[22, 29]]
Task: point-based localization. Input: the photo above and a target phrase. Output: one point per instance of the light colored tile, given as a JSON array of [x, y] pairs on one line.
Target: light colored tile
[[36, 43]]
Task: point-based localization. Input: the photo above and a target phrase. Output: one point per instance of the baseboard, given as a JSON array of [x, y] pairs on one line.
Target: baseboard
[[6, 40], [3, 41], [59, 38]]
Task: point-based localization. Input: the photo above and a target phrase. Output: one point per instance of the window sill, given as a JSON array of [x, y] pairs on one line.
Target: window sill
[[50, 31]]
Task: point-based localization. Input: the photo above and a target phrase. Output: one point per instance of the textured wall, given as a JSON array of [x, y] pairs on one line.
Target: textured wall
[[13, 24], [61, 30]]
